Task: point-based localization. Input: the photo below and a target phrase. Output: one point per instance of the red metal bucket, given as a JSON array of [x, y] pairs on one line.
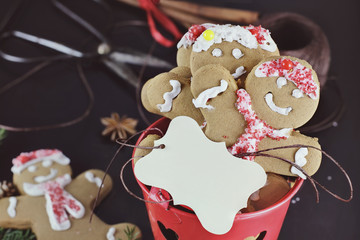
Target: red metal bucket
[[174, 223]]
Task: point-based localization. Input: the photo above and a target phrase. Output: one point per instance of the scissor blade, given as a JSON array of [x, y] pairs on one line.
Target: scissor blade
[[138, 58], [122, 71]]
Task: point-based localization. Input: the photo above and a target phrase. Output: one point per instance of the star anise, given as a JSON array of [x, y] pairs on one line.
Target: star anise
[[118, 127]]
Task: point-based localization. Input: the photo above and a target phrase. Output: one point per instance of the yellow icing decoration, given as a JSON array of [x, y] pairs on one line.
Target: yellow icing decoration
[[208, 35]]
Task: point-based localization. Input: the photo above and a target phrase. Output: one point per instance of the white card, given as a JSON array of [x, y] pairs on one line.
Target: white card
[[201, 174]]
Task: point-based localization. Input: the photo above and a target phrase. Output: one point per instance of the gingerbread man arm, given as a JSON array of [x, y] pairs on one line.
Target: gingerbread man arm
[[312, 157], [85, 187], [224, 122], [14, 211], [169, 95]]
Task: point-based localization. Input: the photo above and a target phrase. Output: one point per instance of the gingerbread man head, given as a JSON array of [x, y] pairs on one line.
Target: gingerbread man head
[[284, 91], [38, 167], [236, 48]]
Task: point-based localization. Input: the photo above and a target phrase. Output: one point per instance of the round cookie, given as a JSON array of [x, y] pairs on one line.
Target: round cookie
[[284, 91], [213, 89]]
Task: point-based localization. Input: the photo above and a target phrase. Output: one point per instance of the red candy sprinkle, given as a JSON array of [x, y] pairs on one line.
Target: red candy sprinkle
[[258, 32], [195, 31], [28, 156], [292, 71], [287, 64], [60, 199], [256, 129]]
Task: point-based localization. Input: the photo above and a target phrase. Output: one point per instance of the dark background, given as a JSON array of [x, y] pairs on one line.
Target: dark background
[[56, 94]]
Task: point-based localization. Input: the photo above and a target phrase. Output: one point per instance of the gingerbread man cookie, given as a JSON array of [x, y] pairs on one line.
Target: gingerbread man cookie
[[54, 205], [236, 48]]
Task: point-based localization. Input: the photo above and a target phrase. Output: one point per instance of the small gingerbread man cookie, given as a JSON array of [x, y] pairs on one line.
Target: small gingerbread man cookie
[[54, 205]]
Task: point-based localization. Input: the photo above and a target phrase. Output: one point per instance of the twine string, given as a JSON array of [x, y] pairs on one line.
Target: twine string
[[37, 68], [312, 180], [261, 153], [112, 161]]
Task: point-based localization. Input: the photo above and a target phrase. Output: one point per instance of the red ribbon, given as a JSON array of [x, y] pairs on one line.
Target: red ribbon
[[153, 12]]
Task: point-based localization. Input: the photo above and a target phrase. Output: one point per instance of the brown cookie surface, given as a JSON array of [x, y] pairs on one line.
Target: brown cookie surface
[[224, 123], [313, 158], [277, 100], [276, 188], [154, 97], [54, 205]]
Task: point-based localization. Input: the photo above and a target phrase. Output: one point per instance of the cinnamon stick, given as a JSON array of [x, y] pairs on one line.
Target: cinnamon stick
[[192, 13], [219, 13]]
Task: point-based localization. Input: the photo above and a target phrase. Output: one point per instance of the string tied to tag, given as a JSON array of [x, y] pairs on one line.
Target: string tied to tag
[[311, 179]]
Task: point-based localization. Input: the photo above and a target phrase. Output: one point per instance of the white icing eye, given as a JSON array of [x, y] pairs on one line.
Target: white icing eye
[[32, 168], [281, 81], [217, 52], [297, 93], [47, 163], [237, 53]]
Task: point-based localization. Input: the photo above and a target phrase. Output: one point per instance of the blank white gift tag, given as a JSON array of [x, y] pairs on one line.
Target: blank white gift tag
[[201, 174]]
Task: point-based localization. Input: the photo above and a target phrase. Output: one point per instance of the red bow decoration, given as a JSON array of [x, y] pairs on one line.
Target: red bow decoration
[[153, 12]]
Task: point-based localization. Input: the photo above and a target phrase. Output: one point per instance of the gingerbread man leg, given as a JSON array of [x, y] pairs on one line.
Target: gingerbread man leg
[[214, 88]]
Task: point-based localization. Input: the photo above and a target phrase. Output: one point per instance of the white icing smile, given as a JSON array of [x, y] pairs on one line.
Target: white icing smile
[[51, 175], [269, 101]]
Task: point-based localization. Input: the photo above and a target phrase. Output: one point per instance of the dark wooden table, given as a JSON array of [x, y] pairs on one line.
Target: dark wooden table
[[55, 94]]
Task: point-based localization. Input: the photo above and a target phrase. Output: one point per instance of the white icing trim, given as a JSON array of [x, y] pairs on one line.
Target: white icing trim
[[259, 72], [52, 218], [216, 52], [169, 96], [238, 72], [186, 42], [38, 189], [272, 105], [11, 210], [91, 178], [228, 33], [300, 160], [57, 157], [201, 100], [33, 189], [32, 168], [47, 163], [297, 93], [203, 125], [51, 175], [237, 53], [110, 235], [284, 132], [271, 47], [280, 82]]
